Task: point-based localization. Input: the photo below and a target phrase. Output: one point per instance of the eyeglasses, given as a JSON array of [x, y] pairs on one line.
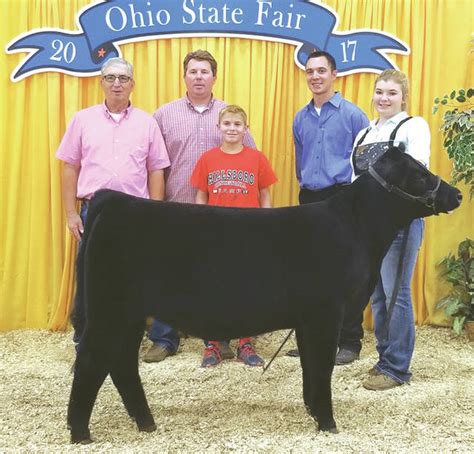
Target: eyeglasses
[[111, 78]]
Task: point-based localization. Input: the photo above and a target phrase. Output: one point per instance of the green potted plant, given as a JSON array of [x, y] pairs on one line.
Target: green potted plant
[[459, 272], [458, 131]]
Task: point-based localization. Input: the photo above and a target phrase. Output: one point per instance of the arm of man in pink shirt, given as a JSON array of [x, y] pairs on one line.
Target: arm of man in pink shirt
[[70, 176], [156, 184]]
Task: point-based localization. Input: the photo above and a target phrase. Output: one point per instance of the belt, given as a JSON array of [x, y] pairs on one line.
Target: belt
[[334, 186]]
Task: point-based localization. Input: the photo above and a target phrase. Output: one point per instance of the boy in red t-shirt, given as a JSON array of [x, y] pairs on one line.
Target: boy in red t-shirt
[[233, 176]]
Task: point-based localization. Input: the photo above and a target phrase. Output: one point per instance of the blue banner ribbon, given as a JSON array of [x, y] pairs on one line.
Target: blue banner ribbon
[[301, 22]]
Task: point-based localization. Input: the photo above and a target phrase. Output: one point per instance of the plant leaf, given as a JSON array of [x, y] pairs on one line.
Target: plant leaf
[[458, 324]]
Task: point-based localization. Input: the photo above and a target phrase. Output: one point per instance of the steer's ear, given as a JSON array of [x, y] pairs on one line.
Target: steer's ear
[[400, 148], [395, 156], [394, 165]]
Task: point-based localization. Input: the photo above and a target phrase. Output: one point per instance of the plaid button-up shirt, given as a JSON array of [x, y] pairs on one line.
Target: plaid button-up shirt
[[188, 133]]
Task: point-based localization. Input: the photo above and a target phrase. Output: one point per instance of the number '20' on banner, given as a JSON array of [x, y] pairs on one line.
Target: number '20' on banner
[[103, 26]]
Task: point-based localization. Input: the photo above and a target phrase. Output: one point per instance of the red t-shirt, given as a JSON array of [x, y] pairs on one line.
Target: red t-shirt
[[233, 180]]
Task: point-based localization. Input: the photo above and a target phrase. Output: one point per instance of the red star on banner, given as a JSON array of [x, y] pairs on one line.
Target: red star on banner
[[101, 52]]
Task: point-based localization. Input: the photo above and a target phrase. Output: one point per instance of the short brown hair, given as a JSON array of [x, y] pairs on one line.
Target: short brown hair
[[233, 109], [326, 55], [200, 55]]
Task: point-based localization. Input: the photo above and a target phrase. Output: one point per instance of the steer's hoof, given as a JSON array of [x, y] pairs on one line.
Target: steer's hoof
[[147, 427], [146, 424], [332, 429], [84, 439], [328, 427]]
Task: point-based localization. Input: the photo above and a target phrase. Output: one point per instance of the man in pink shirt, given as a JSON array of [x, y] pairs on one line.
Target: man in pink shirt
[[189, 128], [112, 145]]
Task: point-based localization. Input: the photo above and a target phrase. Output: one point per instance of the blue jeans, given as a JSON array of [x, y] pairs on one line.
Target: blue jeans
[[395, 345], [79, 316], [162, 334]]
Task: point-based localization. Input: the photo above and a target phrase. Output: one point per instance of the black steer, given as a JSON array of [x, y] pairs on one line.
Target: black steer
[[202, 269]]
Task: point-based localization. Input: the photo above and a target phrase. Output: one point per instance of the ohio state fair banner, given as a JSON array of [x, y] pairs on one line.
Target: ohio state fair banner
[[105, 25]]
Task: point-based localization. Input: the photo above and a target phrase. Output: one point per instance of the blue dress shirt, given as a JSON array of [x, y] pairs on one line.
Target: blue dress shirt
[[323, 142]]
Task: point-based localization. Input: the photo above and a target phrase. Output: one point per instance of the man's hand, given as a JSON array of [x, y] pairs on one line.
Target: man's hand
[[74, 224]]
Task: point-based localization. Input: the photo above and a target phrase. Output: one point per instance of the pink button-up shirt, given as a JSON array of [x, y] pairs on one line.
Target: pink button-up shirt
[[113, 155], [188, 133]]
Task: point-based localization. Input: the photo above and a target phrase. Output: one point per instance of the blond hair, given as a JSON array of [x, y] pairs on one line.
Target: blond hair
[[233, 109], [399, 78]]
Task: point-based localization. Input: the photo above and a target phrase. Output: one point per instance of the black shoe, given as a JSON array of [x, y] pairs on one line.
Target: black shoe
[[293, 353], [345, 356]]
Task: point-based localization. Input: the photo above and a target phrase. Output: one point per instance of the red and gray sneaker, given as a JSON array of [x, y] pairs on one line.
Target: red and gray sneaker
[[246, 353], [212, 356]]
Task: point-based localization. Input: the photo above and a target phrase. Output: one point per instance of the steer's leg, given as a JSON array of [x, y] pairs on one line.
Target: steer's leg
[[304, 368], [319, 341], [124, 373], [89, 374]]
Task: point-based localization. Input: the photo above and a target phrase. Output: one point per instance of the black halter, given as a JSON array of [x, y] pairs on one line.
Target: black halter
[[428, 198]]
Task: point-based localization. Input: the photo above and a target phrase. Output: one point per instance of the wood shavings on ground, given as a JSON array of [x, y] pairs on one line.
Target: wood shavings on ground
[[234, 408]]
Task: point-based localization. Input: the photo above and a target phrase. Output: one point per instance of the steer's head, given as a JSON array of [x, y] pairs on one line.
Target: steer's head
[[405, 177]]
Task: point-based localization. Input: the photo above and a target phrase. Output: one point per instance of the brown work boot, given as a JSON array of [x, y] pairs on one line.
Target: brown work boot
[[156, 353], [380, 382], [373, 371]]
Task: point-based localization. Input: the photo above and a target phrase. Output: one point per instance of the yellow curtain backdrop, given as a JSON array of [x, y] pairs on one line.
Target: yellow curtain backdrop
[[36, 252]]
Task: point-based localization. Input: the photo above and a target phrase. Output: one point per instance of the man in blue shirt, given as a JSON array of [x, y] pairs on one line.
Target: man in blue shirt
[[324, 132]]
